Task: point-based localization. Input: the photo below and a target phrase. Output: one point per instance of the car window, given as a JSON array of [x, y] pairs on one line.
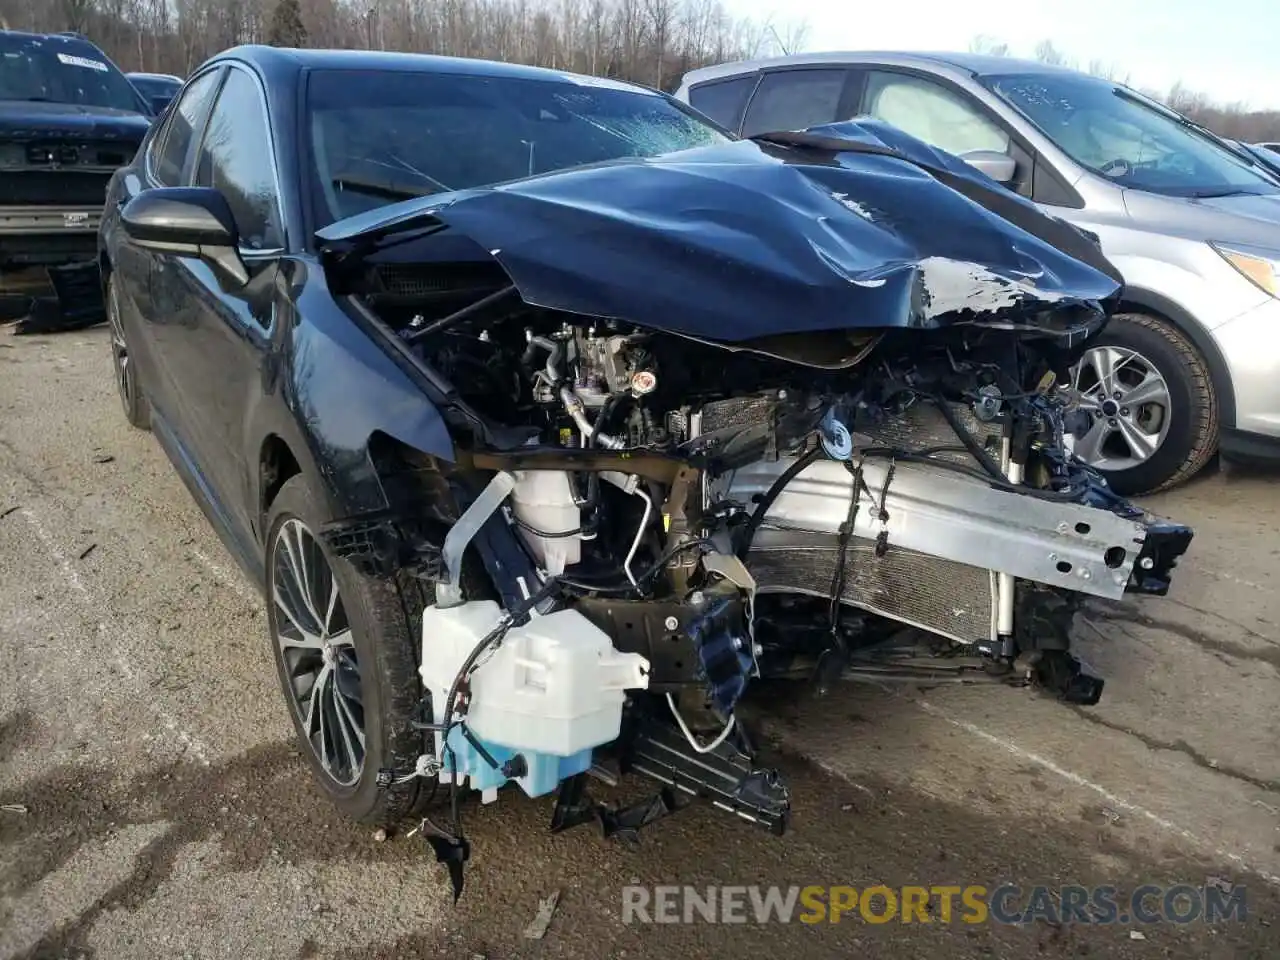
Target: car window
[[236, 159], [1130, 140], [932, 113], [155, 86], [377, 137], [794, 100], [723, 100], [62, 70], [175, 142]]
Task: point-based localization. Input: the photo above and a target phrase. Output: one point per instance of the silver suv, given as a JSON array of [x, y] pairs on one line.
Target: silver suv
[[1191, 363]]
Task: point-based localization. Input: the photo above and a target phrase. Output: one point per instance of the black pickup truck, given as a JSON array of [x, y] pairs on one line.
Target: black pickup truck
[[68, 119]]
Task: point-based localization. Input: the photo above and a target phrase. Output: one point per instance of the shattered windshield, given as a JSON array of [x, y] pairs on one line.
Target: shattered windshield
[[379, 137], [57, 70], [1119, 135]]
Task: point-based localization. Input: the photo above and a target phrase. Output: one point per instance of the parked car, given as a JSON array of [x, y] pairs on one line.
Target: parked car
[[1262, 155], [513, 388], [157, 88], [1191, 362], [68, 120]]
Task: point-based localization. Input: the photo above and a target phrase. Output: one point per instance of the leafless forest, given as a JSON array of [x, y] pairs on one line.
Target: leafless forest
[[650, 41]]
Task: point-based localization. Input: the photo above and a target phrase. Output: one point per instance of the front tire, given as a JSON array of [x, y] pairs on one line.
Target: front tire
[[1151, 403], [134, 402], [346, 655]]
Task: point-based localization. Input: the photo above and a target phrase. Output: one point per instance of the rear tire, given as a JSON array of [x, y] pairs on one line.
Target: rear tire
[[1179, 423], [136, 408], [372, 654]]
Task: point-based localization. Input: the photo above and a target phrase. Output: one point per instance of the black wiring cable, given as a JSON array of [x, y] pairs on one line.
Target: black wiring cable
[[846, 533], [911, 456], [562, 535], [637, 587], [775, 490], [968, 440]]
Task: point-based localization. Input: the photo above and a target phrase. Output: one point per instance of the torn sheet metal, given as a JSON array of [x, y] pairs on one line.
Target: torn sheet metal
[[854, 225]]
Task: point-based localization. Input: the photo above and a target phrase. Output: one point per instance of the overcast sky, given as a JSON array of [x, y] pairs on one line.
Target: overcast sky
[[1228, 49]]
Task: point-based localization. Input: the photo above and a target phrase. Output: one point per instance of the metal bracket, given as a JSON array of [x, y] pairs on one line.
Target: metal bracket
[[943, 514]]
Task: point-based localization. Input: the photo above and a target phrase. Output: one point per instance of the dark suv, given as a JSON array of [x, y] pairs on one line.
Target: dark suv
[[68, 119]]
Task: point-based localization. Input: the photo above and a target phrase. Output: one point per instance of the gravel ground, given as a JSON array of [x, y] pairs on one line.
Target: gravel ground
[[163, 811]]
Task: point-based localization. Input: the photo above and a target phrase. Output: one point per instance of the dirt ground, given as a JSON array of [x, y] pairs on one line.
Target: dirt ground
[[155, 806]]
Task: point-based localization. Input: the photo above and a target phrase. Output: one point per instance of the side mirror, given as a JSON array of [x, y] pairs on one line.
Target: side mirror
[[189, 222], [998, 166]]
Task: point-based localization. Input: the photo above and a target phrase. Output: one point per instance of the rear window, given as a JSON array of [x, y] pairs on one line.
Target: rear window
[[378, 137], [156, 86], [723, 100], [795, 100], [58, 70]]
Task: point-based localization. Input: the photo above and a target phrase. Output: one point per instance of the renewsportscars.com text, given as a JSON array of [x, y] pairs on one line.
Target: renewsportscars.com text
[[973, 904]]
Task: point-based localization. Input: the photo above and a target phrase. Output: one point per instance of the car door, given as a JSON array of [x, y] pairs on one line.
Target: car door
[[226, 333], [145, 309], [797, 98], [943, 116]]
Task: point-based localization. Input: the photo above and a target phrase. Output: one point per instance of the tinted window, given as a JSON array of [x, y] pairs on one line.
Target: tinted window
[[1128, 139], [235, 158], [377, 137], [723, 100], [61, 70], [177, 139], [932, 113], [794, 100], [155, 86]]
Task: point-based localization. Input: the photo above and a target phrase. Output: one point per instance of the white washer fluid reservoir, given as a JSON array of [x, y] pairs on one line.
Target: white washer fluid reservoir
[[553, 690]]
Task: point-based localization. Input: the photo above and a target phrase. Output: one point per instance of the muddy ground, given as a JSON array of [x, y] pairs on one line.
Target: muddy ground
[[155, 806]]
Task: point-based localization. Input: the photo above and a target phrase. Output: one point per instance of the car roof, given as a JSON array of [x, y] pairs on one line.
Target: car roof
[[974, 64], [283, 61], [153, 76], [69, 38]]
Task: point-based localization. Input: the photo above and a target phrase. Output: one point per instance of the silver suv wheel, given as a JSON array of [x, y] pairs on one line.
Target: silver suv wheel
[[1127, 400]]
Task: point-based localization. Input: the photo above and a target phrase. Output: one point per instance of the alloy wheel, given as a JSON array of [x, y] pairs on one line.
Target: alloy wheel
[[120, 359], [317, 651], [1127, 401]]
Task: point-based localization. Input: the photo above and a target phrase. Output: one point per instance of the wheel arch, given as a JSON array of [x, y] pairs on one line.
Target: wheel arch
[[1137, 300], [276, 465]]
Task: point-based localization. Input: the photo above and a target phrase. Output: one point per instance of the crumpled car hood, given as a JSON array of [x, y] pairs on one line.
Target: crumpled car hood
[[851, 225]]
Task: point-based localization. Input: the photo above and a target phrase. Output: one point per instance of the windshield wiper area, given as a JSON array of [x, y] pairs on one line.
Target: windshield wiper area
[[1211, 193], [379, 189]]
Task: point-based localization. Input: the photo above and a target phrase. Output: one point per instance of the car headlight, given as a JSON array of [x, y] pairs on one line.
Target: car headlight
[[1258, 264]]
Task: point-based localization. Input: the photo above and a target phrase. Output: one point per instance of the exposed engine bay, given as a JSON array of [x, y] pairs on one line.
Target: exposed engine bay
[[652, 521], [691, 520]]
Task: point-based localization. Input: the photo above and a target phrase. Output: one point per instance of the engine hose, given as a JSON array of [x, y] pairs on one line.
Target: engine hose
[[772, 494], [968, 440], [554, 351]]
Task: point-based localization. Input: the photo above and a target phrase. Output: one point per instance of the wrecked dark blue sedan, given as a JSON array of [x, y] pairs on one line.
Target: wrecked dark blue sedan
[[551, 419]]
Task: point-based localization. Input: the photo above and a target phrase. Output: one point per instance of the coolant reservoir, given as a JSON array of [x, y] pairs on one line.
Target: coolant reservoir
[[543, 499], [553, 689]]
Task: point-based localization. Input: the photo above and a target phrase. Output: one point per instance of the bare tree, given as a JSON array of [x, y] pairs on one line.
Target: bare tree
[[792, 38], [1046, 52], [988, 46], [286, 28], [650, 41], [661, 15]]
